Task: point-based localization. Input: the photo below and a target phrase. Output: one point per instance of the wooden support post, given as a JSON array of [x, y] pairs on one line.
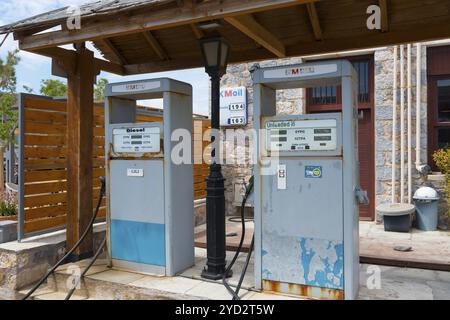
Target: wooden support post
[[80, 115]]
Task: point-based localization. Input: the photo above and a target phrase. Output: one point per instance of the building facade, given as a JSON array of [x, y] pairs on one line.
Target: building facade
[[379, 90]]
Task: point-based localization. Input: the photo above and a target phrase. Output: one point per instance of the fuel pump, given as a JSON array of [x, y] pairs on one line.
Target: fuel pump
[[307, 186], [150, 198]]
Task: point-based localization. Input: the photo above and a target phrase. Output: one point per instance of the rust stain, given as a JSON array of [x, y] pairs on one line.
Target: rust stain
[[309, 292]]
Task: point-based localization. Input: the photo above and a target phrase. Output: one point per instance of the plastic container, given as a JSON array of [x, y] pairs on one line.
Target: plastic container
[[397, 216], [427, 200]]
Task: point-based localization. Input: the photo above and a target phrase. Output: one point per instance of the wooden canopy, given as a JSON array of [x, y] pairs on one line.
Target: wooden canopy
[[144, 36]]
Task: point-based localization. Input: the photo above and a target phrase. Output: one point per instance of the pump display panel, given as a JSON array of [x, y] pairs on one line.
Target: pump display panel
[[301, 135], [137, 140]]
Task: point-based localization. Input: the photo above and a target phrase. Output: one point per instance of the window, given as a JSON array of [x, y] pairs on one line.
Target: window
[[330, 95], [443, 100], [439, 113], [324, 95], [438, 70]]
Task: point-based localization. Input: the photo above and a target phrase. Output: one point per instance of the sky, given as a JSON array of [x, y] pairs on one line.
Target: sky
[[34, 68]]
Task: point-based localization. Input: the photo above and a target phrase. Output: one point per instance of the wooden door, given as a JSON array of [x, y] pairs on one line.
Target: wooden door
[[328, 99]]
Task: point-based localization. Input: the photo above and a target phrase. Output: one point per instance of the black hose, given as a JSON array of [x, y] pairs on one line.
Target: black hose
[[91, 223], [244, 271], [78, 280], [234, 293]]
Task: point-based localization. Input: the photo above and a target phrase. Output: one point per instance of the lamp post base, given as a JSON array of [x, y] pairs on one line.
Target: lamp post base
[[212, 274]]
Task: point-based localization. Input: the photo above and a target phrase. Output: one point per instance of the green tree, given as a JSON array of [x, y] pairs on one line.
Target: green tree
[[53, 88], [99, 89], [9, 115], [57, 88]]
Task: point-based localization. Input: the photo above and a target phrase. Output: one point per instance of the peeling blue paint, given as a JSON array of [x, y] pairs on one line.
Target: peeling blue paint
[[328, 268], [303, 260]]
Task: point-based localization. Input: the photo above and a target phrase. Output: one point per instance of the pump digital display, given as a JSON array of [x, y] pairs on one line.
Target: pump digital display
[[322, 138], [279, 139], [147, 142], [301, 135], [322, 131]]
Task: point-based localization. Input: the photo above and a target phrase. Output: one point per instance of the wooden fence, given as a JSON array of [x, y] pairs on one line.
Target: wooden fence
[[43, 156]]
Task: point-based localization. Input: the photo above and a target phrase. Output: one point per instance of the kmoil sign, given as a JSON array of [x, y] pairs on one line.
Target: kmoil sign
[[228, 93]]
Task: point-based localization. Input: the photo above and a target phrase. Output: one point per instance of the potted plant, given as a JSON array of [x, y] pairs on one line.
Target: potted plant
[[442, 159]]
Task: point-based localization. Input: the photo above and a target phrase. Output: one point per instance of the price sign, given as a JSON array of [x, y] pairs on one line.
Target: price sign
[[233, 106]]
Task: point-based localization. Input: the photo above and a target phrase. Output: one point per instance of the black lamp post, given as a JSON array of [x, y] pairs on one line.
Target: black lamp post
[[215, 53]]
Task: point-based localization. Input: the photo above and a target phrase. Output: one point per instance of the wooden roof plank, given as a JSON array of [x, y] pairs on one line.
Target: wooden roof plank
[[197, 32], [158, 19], [117, 55], [249, 26], [384, 15], [315, 22], [156, 46]]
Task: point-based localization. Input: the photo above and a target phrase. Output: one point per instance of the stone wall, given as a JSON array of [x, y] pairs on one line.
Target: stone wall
[[24, 263], [384, 66], [288, 102]]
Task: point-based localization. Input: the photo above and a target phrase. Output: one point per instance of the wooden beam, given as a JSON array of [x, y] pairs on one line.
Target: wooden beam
[[117, 55], [158, 19], [80, 118], [197, 32], [384, 15], [250, 27], [68, 56], [315, 22], [251, 54], [110, 67], [151, 40]]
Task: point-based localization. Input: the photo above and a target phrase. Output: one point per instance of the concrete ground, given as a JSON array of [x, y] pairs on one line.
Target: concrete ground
[[377, 283], [429, 250]]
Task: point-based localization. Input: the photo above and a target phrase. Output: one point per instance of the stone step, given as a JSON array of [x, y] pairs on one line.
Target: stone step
[[48, 292], [95, 286], [57, 296]]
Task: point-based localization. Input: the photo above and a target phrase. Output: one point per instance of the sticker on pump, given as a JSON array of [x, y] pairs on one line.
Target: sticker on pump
[[314, 172], [135, 173]]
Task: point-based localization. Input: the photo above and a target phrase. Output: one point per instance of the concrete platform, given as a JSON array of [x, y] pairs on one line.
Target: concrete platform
[[430, 250], [102, 283]]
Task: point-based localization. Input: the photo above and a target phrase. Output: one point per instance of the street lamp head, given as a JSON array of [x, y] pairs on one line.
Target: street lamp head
[[215, 53]]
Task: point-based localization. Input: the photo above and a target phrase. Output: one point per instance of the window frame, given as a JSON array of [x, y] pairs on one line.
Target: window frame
[[310, 107], [433, 116]]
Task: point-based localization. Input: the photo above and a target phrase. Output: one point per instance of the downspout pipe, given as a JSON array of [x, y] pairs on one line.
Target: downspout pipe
[[409, 119], [394, 126], [402, 123], [419, 165]]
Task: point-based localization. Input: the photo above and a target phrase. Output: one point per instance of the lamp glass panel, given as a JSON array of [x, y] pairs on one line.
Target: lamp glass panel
[[211, 50]]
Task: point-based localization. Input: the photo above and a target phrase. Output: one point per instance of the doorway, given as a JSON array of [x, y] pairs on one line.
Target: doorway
[[328, 99]]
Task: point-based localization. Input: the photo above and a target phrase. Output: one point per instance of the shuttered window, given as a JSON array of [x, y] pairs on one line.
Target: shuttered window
[[330, 95]]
